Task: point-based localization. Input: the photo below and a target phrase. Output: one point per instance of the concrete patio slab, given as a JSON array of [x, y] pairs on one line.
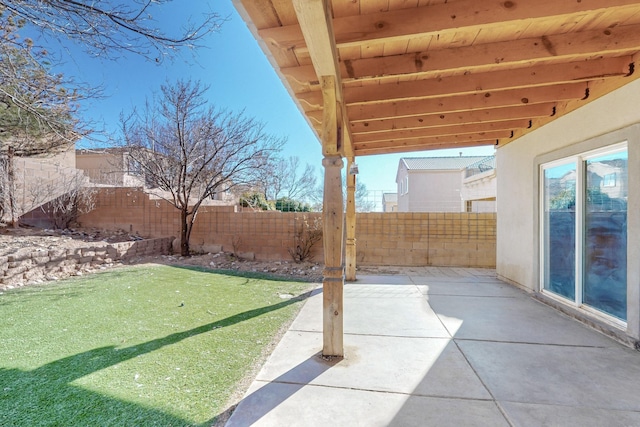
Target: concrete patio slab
[[511, 319], [428, 367], [417, 356], [279, 404], [490, 287], [415, 319], [585, 377], [532, 415]]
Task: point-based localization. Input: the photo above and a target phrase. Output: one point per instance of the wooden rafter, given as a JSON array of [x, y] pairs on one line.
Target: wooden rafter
[[536, 75], [412, 76], [505, 55], [439, 19]]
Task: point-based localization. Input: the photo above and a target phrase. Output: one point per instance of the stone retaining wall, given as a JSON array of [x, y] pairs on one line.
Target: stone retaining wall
[[30, 265]]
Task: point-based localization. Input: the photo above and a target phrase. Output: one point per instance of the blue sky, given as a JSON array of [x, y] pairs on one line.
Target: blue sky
[[240, 77]]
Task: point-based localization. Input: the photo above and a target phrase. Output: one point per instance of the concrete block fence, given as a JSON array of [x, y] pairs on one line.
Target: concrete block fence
[[386, 239]]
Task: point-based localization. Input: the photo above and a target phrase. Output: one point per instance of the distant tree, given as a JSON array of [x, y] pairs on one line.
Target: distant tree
[[363, 201], [256, 200], [189, 150], [285, 204], [291, 181]]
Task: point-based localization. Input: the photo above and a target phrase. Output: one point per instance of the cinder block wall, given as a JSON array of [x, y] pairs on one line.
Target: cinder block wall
[[422, 239], [402, 239]]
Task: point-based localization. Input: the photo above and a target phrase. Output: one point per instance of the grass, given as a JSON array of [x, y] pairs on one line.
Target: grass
[[150, 345]]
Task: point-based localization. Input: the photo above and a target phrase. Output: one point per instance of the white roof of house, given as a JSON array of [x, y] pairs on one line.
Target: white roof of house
[[439, 163], [390, 197]]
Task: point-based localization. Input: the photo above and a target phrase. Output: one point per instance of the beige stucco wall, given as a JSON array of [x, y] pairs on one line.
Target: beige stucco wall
[[481, 190], [432, 191], [604, 121], [106, 168]]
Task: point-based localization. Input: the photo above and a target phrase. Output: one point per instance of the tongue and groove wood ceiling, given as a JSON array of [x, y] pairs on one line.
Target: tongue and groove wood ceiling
[[427, 74]]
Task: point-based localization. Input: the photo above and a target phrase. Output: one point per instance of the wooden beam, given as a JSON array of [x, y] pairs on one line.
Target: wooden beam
[[315, 18], [532, 76], [423, 147], [330, 137], [350, 246], [516, 97], [473, 128], [315, 21], [489, 115], [333, 273], [433, 140], [623, 40], [439, 19]]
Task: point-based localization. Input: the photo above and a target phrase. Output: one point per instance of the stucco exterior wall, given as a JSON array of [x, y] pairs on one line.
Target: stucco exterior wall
[[432, 191], [605, 121], [480, 190]]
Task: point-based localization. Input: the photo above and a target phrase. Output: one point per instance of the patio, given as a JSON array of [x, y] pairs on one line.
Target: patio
[[445, 347]]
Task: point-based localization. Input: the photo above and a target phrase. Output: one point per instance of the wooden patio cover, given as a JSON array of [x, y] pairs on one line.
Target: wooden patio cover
[[388, 76]]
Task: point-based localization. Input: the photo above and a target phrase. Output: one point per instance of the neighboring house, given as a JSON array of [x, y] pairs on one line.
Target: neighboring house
[[389, 202], [479, 186], [435, 184], [114, 167], [41, 179], [109, 166]]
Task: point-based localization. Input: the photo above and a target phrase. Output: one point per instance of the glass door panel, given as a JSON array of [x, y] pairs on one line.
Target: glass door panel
[[560, 229], [605, 234]]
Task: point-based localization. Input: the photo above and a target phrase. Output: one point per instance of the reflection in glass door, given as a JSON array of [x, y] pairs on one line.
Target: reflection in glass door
[[584, 230], [560, 229], [605, 234]]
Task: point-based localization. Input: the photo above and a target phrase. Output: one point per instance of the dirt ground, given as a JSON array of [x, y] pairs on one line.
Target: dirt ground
[[12, 239]]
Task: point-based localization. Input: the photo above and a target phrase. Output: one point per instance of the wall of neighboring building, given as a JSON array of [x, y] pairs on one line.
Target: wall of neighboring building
[[401, 182], [41, 179], [433, 191], [605, 121], [480, 191], [106, 168], [443, 239]]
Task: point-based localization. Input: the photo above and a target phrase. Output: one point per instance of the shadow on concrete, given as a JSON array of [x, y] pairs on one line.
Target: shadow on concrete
[[272, 394]]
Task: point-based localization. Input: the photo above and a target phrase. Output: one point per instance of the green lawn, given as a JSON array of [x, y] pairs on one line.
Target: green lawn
[[142, 346]]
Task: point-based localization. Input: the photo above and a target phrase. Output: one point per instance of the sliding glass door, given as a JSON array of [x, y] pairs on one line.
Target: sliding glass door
[[560, 229], [584, 230], [605, 234]]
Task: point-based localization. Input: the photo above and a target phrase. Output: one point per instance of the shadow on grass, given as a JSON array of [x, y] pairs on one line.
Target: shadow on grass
[[45, 396]]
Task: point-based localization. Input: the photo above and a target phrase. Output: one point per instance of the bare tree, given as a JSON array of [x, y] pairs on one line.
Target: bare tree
[[74, 197], [363, 201], [188, 149], [39, 109], [289, 181], [109, 28], [37, 113]]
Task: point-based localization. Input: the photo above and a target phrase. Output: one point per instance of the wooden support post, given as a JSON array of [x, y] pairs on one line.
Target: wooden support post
[[333, 280], [350, 256]]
